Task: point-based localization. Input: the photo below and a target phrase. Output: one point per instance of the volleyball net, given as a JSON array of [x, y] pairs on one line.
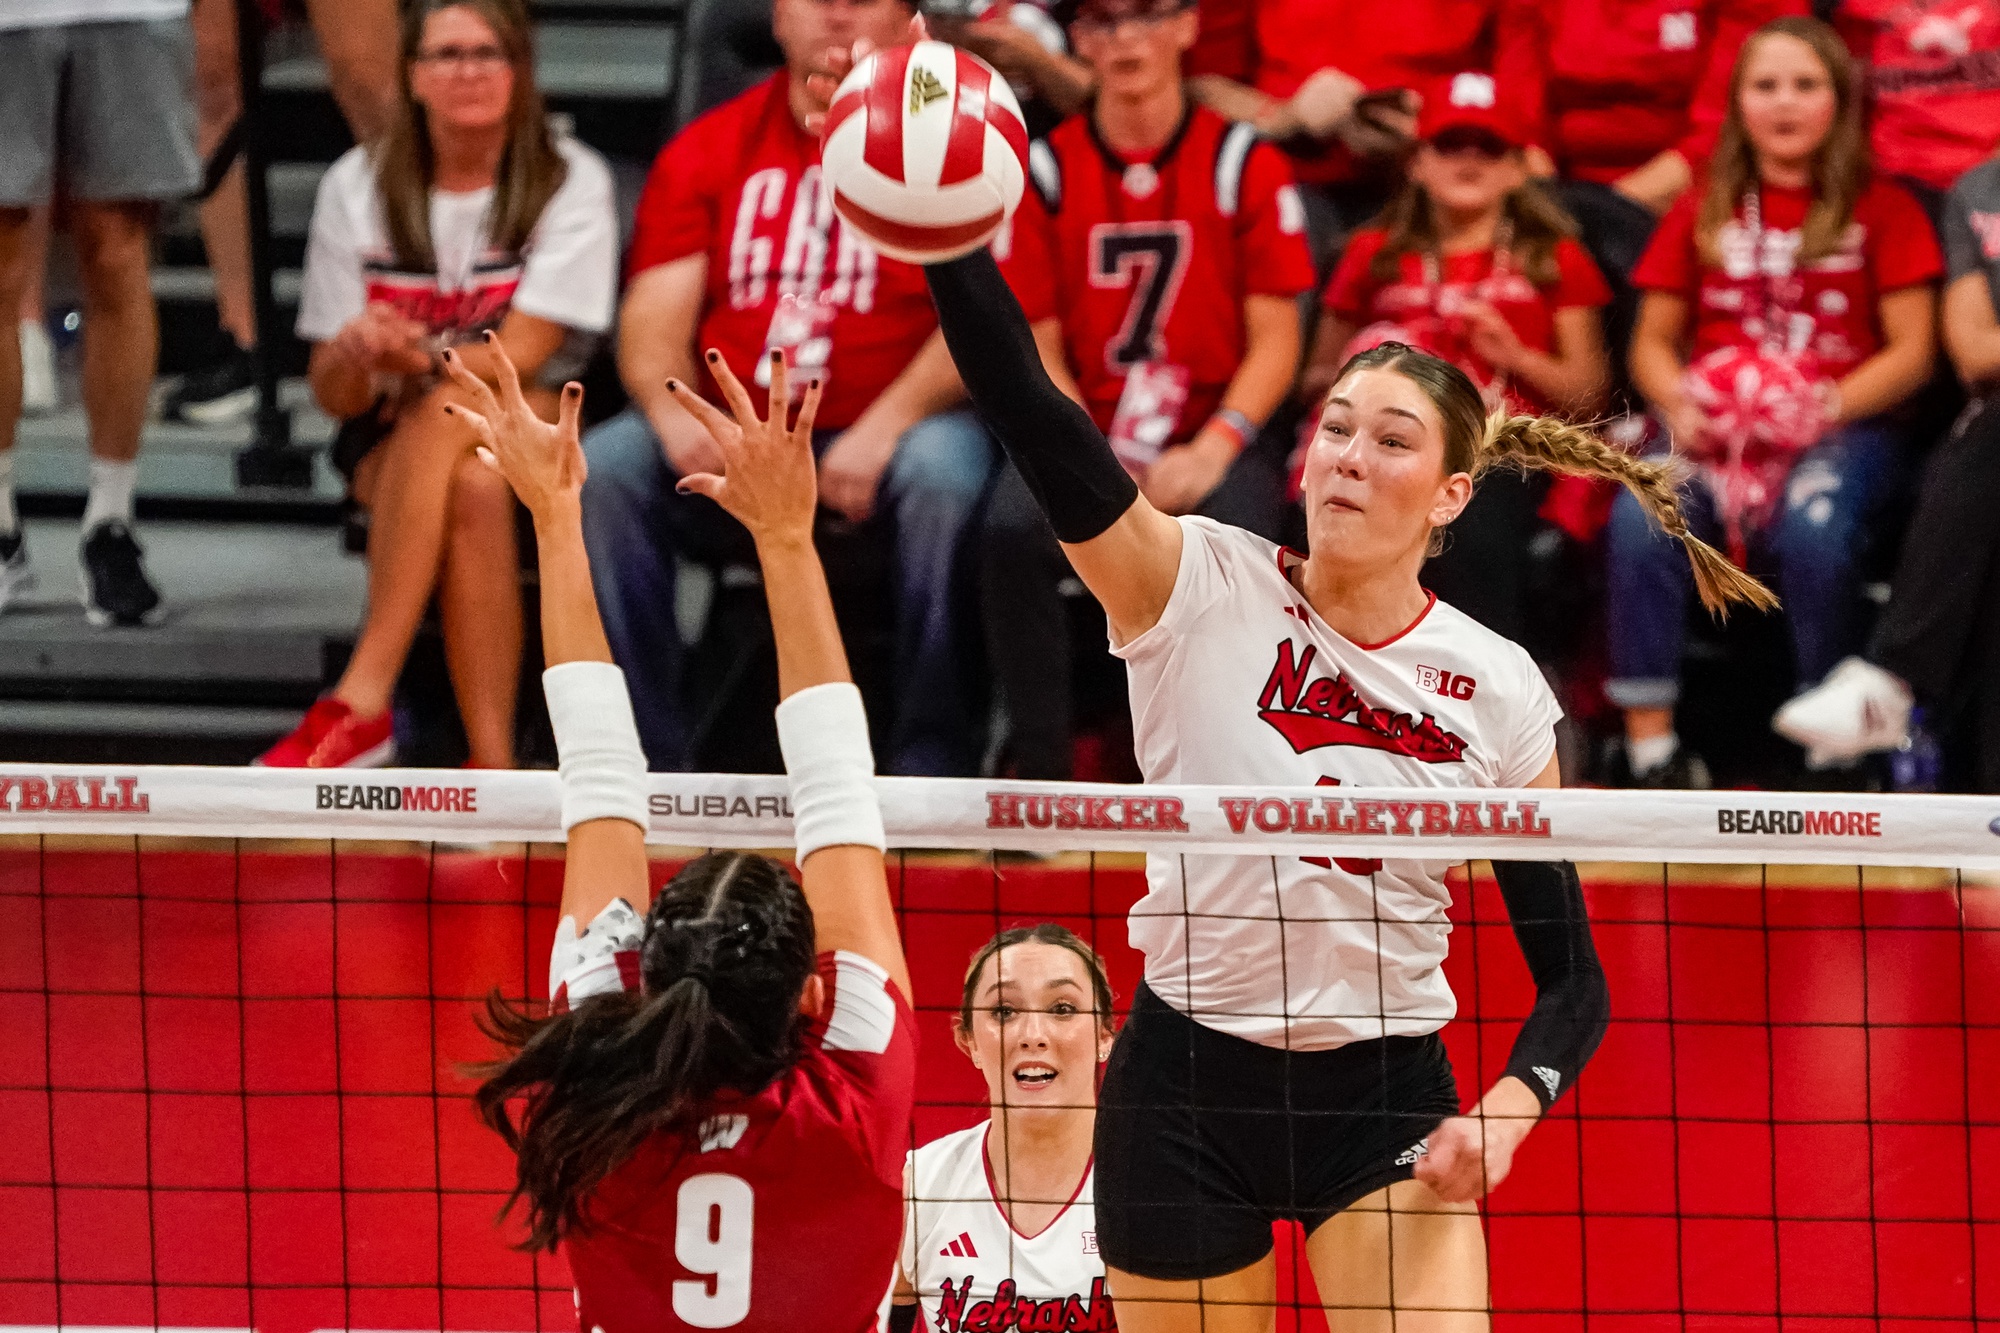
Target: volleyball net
[[236, 1007]]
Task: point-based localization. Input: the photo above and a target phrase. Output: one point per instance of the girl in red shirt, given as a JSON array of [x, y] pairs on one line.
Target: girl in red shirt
[[1788, 305], [1473, 262]]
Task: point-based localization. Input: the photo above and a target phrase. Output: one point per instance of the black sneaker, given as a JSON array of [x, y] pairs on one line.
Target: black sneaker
[[116, 590], [217, 394], [15, 576], [1684, 770]]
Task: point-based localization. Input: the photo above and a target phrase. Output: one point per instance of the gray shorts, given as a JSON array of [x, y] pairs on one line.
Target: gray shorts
[[106, 107]]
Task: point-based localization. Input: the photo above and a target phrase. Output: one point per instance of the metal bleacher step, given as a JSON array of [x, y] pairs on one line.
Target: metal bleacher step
[[256, 613], [178, 465]]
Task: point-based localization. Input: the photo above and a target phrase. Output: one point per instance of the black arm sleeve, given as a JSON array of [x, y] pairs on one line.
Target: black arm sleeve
[[903, 1318], [1064, 458], [1572, 1003]]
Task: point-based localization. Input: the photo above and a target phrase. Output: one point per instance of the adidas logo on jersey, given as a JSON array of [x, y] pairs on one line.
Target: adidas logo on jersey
[[1549, 1077], [961, 1247]]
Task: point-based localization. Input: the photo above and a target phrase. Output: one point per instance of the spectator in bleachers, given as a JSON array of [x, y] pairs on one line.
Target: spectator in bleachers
[[1788, 308], [1933, 85], [1026, 43], [357, 40], [1339, 84], [1939, 639], [1627, 100], [737, 248], [1171, 242], [94, 93], [470, 219], [1630, 97], [1474, 262]]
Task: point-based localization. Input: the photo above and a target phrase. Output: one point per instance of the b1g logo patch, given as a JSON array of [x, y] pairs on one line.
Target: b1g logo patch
[[1444, 683]]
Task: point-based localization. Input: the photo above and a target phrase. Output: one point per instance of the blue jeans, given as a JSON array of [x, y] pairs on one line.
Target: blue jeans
[[1813, 546], [636, 525]]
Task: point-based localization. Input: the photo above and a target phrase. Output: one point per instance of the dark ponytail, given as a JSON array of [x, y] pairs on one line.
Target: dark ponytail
[[728, 951]]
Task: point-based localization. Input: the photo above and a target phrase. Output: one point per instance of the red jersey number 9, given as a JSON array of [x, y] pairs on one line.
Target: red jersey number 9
[[712, 1239]]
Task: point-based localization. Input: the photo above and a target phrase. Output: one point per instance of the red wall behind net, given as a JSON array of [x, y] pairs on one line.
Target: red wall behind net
[[229, 1090]]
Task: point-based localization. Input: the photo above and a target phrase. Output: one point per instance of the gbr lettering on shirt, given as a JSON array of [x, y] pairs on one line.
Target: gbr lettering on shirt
[[798, 245]]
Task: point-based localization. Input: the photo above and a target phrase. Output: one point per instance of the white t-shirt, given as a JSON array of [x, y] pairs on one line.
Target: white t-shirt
[[49, 13], [959, 1249], [567, 273], [1241, 682]]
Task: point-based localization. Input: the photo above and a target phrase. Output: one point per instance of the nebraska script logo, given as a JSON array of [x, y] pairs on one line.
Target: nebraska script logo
[[958, 1313], [1330, 711]]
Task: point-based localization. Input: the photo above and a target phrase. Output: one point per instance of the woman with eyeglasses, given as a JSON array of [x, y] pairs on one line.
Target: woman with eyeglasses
[[470, 215]]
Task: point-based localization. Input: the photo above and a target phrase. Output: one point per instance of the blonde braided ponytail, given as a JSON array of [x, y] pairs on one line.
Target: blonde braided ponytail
[[1548, 444]]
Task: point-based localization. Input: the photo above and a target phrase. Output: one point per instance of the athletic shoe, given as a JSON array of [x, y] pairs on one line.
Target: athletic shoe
[[1683, 770], [38, 370], [116, 590], [15, 576], [331, 736], [217, 394], [1858, 709]]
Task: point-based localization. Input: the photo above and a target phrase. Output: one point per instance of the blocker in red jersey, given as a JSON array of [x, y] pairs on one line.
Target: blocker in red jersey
[[925, 152]]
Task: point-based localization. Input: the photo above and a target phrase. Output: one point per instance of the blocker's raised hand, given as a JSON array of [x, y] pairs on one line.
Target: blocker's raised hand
[[767, 482], [541, 460]]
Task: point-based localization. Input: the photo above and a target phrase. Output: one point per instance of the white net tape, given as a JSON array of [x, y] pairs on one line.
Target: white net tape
[[714, 810]]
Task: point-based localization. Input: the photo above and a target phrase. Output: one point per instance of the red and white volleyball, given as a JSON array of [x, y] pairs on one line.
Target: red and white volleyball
[[926, 152]]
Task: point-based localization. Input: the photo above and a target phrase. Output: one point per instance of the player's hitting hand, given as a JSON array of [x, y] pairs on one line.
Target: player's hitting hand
[[767, 482], [1471, 1154], [541, 460]]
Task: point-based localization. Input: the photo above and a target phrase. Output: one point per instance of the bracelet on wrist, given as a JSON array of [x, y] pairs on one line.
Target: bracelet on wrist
[[1239, 428]]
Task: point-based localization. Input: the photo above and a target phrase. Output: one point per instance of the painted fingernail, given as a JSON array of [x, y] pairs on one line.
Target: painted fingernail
[[681, 487], [714, 356], [815, 384], [489, 335], [776, 356], [673, 385], [446, 354]]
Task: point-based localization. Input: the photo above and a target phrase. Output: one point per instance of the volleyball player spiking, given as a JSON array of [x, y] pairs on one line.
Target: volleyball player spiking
[[1282, 1059], [714, 1113]]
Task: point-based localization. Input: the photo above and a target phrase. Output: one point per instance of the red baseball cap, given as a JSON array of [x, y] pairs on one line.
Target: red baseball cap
[[1469, 102]]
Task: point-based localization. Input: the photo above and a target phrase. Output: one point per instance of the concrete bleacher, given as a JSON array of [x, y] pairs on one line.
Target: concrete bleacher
[[263, 604]]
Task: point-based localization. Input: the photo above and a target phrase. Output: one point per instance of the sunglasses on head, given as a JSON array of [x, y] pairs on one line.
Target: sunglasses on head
[[1467, 139]]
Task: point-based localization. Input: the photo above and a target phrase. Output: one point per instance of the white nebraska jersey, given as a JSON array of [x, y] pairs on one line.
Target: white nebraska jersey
[[1241, 682], [972, 1271]]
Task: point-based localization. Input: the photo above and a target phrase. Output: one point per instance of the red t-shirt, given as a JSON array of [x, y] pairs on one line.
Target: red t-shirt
[[1828, 308], [1358, 297], [1151, 264], [788, 1212], [1273, 45], [1622, 81], [742, 186], [1933, 83]]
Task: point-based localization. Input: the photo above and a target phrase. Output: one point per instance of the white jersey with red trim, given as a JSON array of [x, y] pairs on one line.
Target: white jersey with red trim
[[1241, 682], [972, 1270]]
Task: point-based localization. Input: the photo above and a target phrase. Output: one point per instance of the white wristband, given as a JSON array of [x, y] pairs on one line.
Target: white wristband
[[597, 744], [824, 734]]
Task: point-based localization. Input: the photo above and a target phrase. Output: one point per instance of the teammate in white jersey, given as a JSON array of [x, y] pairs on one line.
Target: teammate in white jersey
[[999, 1227], [1282, 1060]]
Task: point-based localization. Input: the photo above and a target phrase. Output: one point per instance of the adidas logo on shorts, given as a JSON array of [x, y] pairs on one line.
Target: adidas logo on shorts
[[1549, 1077], [1409, 1156]]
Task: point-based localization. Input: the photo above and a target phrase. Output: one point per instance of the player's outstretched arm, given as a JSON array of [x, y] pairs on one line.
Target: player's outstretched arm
[[1125, 551], [1471, 1154], [768, 485], [603, 769]]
